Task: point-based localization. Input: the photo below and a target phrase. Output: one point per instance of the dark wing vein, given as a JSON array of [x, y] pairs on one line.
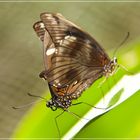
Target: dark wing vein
[[59, 66], [62, 71], [71, 77], [65, 77]]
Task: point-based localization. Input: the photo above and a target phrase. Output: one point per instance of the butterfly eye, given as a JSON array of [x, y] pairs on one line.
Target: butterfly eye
[[115, 60]]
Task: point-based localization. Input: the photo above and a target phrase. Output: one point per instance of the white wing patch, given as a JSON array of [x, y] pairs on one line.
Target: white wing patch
[[42, 25], [50, 51]]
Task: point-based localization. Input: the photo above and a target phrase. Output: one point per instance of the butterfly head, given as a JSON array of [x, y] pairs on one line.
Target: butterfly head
[[111, 67], [59, 102]]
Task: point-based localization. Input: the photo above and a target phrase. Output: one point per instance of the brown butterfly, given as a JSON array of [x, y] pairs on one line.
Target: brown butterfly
[[73, 59]]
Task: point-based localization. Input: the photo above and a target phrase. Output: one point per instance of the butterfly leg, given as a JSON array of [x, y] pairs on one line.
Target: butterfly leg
[[76, 115], [125, 69], [102, 94], [57, 123], [102, 82], [89, 105], [100, 86]]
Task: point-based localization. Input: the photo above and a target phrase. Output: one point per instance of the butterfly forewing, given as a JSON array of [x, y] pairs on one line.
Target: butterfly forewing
[[47, 43], [76, 54], [73, 59]]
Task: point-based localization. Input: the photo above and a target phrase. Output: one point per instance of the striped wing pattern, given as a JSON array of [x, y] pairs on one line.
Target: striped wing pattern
[[73, 59]]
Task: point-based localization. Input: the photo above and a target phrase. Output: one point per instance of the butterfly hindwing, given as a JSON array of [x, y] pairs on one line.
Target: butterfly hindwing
[[73, 91]]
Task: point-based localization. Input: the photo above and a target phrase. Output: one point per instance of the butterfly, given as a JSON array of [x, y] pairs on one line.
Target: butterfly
[[73, 59]]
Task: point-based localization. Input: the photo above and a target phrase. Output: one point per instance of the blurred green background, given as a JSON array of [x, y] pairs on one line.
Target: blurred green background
[[21, 62]]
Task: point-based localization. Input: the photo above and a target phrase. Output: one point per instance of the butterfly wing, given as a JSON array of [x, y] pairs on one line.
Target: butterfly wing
[[76, 56], [42, 33], [73, 91], [70, 54]]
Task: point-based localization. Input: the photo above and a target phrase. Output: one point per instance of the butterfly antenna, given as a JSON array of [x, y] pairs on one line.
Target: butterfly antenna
[[125, 69], [117, 48], [26, 105], [37, 96], [115, 52], [75, 115], [89, 105]]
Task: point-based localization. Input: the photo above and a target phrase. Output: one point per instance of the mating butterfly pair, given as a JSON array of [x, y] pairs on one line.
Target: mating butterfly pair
[[73, 59]]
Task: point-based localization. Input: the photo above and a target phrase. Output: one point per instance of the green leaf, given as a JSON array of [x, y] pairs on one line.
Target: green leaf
[[115, 98]]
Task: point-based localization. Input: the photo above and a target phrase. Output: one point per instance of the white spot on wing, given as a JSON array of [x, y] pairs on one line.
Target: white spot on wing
[[42, 25], [61, 41], [54, 85], [50, 51], [73, 38], [66, 37], [59, 84], [56, 51], [49, 16], [75, 82]]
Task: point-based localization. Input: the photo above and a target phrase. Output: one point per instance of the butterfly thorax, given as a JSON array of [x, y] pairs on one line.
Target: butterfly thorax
[[59, 102], [111, 67]]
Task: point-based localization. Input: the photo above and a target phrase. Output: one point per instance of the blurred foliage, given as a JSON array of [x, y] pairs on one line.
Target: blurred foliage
[[119, 122]]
